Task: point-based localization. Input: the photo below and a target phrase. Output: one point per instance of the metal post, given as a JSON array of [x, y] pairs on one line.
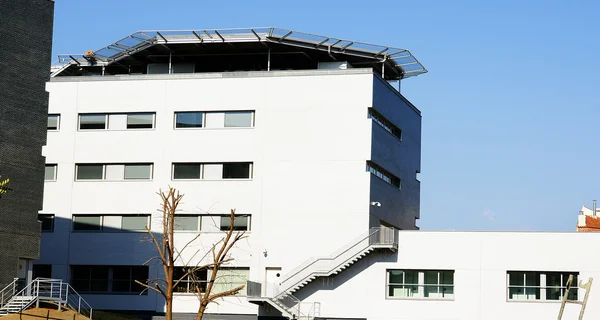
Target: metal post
[[79, 305], [269, 60], [170, 66], [103, 69]]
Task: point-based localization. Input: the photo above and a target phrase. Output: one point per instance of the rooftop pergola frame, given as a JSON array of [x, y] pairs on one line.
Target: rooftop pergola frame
[[251, 49]]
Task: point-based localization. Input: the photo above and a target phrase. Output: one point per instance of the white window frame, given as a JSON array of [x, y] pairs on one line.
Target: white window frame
[[53, 165], [98, 114], [98, 164], [120, 179], [202, 164], [198, 223], [57, 121], [542, 287], [111, 230], [420, 285], [140, 129], [204, 120], [189, 128]]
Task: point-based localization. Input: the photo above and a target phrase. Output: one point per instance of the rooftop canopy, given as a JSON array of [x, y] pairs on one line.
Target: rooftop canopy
[[249, 49]]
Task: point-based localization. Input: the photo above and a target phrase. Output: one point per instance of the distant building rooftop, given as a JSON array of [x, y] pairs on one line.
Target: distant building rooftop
[[222, 50]]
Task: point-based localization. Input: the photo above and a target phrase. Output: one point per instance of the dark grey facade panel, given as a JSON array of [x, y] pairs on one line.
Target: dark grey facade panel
[[402, 158], [25, 55]]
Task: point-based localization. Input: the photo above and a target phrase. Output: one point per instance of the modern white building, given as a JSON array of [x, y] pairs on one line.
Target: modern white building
[[318, 153]]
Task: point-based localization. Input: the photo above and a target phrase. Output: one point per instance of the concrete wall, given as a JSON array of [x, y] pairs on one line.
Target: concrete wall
[[309, 194], [25, 48], [480, 261]]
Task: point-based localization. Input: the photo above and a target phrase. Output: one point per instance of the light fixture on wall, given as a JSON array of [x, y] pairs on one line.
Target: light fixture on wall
[[265, 253], [376, 203]]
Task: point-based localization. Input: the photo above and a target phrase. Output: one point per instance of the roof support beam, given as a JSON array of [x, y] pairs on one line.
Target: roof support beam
[[285, 36], [160, 35]]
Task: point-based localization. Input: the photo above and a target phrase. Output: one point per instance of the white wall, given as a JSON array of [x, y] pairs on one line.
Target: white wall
[[480, 261], [308, 197]]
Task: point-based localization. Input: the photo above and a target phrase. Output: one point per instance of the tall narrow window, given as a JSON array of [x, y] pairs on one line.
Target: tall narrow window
[[53, 122], [239, 119], [140, 120], [92, 121], [189, 119], [50, 173]]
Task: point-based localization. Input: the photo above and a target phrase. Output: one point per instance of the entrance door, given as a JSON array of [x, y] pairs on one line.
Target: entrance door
[[24, 272], [272, 278]]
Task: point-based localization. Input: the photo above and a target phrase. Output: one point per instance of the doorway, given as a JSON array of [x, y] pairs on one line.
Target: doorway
[[272, 279]]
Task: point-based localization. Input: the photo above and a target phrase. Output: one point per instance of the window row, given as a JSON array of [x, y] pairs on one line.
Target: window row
[[521, 285], [108, 279], [147, 120], [386, 124], [383, 174], [139, 222], [145, 171]]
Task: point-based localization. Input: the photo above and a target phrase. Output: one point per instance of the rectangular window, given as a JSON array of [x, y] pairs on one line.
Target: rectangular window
[[47, 221], [189, 119], [108, 279], [186, 171], [42, 271], [239, 119], [92, 121], [138, 171], [191, 281], [135, 223], [187, 223], [53, 122], [90, 172], [385, 123], [383, 174], [237, 170], [241, 223], [420, 284], [537, 285], [50, 173], [230, 278], [87, 223], [140, 120]]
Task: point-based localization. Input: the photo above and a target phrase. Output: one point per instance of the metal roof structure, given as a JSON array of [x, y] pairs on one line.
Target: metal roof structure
[[401, 61]]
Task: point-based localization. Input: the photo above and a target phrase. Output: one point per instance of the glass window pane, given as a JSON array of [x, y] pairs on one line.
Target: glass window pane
[[411, 277], [431, 277], [87, 223], [396, 276], [186, 223], [50, 173], [47, 221], [238, 119], [236, 170], [90, 172], [53, 120], [402, 291], [230, 278], [188, 119], [516, 278], [140, 120], [134, 223], [138, 171], [186, 171], [446, 277], [92, 121], [239, 224]]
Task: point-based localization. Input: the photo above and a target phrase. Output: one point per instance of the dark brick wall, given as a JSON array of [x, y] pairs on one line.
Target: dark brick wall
[[25, 55]]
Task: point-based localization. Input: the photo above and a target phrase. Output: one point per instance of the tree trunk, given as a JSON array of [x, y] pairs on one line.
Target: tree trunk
[[169, 314], [201, 311]]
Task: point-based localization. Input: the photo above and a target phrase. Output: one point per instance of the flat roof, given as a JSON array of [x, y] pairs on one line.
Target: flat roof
[[401, 62]]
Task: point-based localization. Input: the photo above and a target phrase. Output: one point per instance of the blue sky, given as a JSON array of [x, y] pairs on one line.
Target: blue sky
[[509, 106]]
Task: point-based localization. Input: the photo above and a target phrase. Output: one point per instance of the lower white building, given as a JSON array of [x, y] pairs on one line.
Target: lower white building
[[307, 138]]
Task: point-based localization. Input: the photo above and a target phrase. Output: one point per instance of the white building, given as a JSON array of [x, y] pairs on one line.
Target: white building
[[304, 136]]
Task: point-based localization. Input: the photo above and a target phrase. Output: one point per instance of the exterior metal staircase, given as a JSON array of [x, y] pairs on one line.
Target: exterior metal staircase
[[42, 290], [283, 299]]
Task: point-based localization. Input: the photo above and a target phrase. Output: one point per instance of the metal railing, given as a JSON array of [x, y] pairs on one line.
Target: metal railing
[[378, 236], [8, 292], [50, 290]]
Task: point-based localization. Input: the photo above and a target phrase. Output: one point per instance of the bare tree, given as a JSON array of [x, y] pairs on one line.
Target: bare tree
[[169, 255]]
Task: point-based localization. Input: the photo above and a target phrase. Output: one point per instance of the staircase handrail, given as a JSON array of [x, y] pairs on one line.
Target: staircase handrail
[[8, 292], [373, 239]]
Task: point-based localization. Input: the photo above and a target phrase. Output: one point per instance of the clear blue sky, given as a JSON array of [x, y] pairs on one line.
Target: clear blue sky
[[509, 106]]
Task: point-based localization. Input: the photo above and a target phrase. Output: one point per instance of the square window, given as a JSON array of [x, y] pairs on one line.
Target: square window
[[189, 119], [134, 223], [239, 119], [87, 223], [140, 120], [186, 171], [237, 170], [50, 173], [90, 172], [53, 122], [239, 224], [138, 171], [47, 221], [186, 223], [92, 121]]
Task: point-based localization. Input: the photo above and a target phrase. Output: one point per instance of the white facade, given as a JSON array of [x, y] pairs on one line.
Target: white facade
[[309, 192]]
